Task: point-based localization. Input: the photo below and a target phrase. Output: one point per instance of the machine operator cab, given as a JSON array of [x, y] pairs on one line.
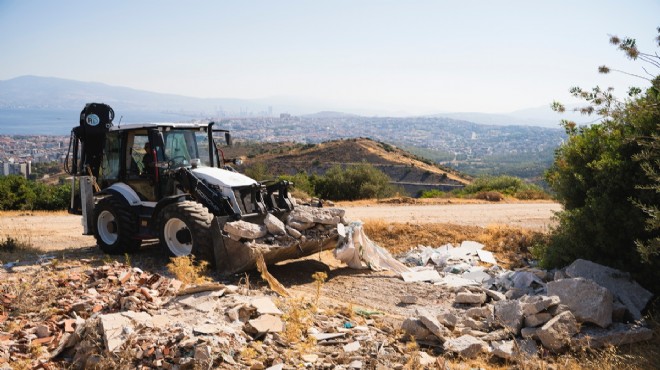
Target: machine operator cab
[[144, 155]]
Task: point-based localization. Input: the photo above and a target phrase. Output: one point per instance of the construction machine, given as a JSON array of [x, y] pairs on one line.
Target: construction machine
[[171, 182]]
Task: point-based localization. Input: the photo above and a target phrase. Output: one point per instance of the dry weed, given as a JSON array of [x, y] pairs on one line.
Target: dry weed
[[319, 279], [186, 269]]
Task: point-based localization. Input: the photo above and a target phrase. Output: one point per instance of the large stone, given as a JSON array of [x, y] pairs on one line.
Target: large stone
[[274, 225], [247, 230], [414, 328], [617, 334], [433, 325], [466, 346], [537, 319], [471, 298], [588, 301], [267, 324], [556, 334], [538, 303], [301, 215], [115, 328], [504, 349], [631, 294], [448, 318], [265, 305], [509, 314]]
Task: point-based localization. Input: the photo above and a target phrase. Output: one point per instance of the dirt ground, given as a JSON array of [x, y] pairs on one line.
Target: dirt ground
[[372, 290]]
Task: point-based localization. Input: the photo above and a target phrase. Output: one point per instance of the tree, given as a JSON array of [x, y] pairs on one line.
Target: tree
[[360, 181], [606, 176]]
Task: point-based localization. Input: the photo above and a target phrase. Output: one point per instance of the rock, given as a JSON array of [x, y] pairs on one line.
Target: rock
[[300, 226], [448, 319], [293, 232], [274, 225], [470, 298], [203, 353], [310, 357], [495, 295], [537, 319], [112, 327], [556, 310], [509, 315], [414, 328], [479, 312], [631, 294], [505, 349], [618, 311], [500, 334], [528, 348], [530, 333], [265, 305], [466, 346], [538, 303], [247, 230], [302, 215], [42, 331], [351, 347], [433, 325], [617, 334], [267, 324], [557, 333], [408, 299], [425, 359], [355, 364], [588, 301], [422, 275]]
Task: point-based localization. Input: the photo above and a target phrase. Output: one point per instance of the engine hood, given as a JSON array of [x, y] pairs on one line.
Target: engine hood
[[220, 177]]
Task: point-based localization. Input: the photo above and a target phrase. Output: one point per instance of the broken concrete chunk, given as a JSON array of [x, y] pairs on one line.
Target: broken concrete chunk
[[414, 328], [480, 312], [352, 346], [423, 275], [619, 283], [274, 225], [556, 334], [537, 319], [504, 349], [538, 303], [588, 301], [617, 334], [530, 333], [470, 298], [448, 318], [267, 324], [486, 256], [113, 329], [301, 215], [433, 325], [495, 295], [265, 305], [293, 232], [509, 314], [466, 346], [246, 230], [300, 226], [408, 299]]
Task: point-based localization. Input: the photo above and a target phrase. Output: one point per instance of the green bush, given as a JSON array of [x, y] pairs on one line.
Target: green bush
[[300, 182], [362, 181], [605, 175], [433, 193], [18, 193], [506, 185]]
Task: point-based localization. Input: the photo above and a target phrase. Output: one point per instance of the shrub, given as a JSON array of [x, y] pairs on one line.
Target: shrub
[[491, 196], [361, 181], [433, 193]]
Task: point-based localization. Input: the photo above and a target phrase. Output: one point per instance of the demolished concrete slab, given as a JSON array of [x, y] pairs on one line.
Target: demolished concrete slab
[[617, 334], [629, 292], [509, 314], [466, 346], [588, 301], [242, 229], [556, 334]]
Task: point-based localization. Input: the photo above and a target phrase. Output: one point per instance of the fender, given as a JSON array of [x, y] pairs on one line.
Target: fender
[[125, 192], [164, 203]]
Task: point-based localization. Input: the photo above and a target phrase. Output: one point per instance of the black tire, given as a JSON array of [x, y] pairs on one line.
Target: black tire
[[185, 228], [115, 226]]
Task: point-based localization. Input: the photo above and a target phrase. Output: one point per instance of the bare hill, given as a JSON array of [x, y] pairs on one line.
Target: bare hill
[[405, 169]]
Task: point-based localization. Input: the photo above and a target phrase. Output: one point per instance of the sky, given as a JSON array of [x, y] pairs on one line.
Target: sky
[[417, 57]]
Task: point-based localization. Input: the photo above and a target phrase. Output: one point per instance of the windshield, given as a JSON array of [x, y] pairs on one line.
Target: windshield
[[183, 145]]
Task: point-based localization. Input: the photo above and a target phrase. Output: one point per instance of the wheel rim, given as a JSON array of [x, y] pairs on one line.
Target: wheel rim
[[177, 237], [107, 227]]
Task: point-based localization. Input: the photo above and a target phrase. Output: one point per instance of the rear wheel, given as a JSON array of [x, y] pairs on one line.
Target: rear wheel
[[185, 228], [115, 225]]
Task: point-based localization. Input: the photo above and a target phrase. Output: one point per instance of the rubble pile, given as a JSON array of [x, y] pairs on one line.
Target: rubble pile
[[116, 315], [512, 314], [302, 224]]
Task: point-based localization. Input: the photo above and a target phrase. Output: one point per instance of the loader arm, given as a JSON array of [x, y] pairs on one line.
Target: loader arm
[[217, 203]]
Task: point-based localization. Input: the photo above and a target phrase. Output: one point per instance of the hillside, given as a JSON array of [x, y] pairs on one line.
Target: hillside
[[411, 172]]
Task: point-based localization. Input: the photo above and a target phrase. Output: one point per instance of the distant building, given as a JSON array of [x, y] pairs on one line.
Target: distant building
[[10, 168], [285, 116]]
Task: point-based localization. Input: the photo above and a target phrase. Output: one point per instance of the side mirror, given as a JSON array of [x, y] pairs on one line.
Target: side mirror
[[228, 138]]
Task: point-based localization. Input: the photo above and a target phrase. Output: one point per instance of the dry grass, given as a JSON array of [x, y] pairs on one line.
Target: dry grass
[[185, 268], [512, 245]]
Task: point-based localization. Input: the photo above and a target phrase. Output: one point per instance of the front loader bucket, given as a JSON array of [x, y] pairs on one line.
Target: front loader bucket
[[233, 256]]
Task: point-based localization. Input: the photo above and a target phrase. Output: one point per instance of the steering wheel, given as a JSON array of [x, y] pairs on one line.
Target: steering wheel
[[171, 161]]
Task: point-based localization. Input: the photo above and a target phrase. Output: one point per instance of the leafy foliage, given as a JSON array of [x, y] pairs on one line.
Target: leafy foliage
[[493, 188], [18, 193], [606, 176], [360, 181]]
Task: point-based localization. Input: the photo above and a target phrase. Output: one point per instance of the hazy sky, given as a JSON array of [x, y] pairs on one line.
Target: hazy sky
[[418, 56]]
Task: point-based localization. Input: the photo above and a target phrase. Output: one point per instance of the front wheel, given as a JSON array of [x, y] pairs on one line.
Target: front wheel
[[115, 226], [185, 228]]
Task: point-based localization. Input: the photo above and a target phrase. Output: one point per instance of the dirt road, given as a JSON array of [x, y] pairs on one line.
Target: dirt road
[[536, 216], [56, 231]]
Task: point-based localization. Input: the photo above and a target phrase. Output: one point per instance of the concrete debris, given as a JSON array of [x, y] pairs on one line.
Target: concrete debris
[[274, 225], [408, 299], [470, 297], [557, 333], [265, 305], [238, 230], [267, 324], [420, 275], [504, 349], [509, 314], [414, 328], [619, 283], [466, 346], [431, 322], [616, 335], [588, 301]]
